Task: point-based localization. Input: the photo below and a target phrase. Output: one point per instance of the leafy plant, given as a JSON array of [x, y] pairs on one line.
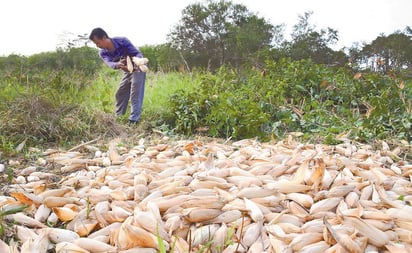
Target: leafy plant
[[43, 103], [7, 211], [296, 96]]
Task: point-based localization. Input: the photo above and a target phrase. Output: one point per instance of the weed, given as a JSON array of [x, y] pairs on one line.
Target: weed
[[7, 147], [4, 210]]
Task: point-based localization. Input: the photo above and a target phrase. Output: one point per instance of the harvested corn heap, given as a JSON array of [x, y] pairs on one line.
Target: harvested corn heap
[[211, 197]]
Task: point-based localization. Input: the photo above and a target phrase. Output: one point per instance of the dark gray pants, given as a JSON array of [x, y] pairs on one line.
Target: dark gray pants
[[131, 88]]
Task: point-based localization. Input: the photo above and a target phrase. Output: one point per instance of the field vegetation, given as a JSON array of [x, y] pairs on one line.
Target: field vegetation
[[255, 86]]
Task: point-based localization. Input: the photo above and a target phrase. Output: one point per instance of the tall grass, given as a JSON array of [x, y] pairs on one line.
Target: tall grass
[[99, 95], [64, 108], [159, 88], [70, 106]]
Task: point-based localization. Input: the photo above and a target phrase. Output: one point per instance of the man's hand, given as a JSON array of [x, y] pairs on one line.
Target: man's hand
[[122, 66]]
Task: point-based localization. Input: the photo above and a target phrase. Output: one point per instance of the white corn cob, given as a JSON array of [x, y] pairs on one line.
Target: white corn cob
[[129, 64], [94, 245], [63, 247], [58, 235], [141, 63]]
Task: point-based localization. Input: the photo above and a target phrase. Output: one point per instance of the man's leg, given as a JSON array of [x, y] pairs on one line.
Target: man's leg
[[137, 95], [123, 94]]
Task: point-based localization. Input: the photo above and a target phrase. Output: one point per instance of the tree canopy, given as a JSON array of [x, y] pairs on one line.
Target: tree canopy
[[389, 53], [219, 33], [216, 33]]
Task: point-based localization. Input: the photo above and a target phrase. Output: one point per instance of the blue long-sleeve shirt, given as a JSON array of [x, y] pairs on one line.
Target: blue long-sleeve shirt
[[122, 48]]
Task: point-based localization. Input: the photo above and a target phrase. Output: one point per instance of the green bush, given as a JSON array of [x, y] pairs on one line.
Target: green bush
[[42, 102], [296, 96]]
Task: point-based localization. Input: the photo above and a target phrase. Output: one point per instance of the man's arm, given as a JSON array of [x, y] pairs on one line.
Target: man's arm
[[131, 49], [109, 61]]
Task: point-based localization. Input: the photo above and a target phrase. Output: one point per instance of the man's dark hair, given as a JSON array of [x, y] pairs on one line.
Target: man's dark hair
[[98, 33]]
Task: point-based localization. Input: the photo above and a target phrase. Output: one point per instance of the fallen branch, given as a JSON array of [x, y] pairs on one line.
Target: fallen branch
[[83, 144]]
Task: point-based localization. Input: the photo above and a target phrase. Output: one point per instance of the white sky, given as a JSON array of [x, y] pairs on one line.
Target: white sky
[[33, 26]]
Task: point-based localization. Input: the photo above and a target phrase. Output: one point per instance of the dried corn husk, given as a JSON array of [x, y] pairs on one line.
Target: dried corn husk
[[244, 196]]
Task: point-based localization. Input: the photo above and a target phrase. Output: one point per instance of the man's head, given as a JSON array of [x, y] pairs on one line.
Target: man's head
[[100, 38]]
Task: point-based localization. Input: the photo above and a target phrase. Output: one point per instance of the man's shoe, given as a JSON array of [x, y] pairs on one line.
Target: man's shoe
[[132, 122]]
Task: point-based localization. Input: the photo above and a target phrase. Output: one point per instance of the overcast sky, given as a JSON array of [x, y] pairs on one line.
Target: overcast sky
[[33, 26]]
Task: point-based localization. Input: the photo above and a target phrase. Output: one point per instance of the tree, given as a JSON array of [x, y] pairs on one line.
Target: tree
[[308, 43], [217, 33], [247, 38], [161, 57], [389, 53], [70, 40]]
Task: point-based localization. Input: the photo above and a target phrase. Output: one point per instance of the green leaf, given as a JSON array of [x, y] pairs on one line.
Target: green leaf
[[13, 210]]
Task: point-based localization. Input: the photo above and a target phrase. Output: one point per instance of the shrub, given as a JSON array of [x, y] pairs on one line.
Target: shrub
[[296, 96]]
